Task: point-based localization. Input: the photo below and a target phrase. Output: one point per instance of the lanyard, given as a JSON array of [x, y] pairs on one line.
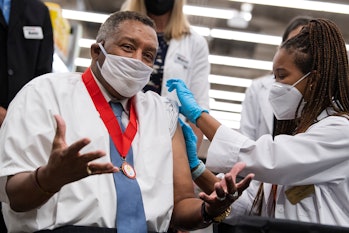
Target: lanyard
[[122, 141]]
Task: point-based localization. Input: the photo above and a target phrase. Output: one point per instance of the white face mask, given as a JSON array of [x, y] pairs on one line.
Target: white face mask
[[285, 99], [125, 75]]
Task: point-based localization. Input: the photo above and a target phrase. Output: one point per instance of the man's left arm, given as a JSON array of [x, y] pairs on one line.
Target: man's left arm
[[189, 211], [184, 196]]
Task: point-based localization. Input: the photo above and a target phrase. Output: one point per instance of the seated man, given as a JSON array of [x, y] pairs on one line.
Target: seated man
[[66, 162]]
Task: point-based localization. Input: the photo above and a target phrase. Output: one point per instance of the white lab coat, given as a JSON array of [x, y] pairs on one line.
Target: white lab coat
[[257, 113], [319, 156], [187, 59]]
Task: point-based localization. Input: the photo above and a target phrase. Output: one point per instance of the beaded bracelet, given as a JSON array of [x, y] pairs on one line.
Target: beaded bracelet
[[198, 170]]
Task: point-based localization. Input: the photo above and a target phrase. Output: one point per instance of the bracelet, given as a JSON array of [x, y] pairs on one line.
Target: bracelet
[[208, 219], [198, 170], [37, 184], [222, 216]]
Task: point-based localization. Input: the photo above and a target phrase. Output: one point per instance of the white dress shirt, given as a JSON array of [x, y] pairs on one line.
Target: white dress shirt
[[26, 140]]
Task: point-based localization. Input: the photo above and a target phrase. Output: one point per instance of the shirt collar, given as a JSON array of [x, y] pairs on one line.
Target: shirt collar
[[109, 98]]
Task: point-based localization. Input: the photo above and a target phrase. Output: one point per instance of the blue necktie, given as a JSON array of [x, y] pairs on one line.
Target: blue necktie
[[130, 217], [6, 7]]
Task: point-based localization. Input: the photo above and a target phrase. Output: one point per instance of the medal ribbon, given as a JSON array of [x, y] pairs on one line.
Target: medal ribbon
[[122, 141]]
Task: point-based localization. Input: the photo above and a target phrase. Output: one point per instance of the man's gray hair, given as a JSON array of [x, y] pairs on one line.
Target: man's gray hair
[[110, 26]]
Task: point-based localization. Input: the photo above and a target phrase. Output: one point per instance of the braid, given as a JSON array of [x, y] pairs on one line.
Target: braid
[[319, 47]]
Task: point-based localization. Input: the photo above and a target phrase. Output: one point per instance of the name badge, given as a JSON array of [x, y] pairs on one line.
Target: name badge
[[182, 60], [33, 32], [298, 193]]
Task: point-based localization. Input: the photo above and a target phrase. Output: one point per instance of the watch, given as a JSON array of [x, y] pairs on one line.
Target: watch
[[222, 216]]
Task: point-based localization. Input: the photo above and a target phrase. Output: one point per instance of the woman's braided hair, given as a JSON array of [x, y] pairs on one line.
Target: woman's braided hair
[[319, 48]]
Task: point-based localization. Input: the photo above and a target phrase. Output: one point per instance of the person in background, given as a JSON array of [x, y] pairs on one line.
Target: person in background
[[92, 153], [309, 160], [182, 52], [26, 40], [257, 116], [26, 49]]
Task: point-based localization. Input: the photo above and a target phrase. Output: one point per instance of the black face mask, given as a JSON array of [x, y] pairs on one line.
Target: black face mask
[[159, 7]]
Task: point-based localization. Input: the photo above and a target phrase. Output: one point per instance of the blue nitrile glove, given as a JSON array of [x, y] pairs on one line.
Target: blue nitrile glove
[[190, 142], [189, 108]]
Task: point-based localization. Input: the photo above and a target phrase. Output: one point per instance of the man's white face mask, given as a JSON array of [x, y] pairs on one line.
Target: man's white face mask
[[125, 75], [285, 98]]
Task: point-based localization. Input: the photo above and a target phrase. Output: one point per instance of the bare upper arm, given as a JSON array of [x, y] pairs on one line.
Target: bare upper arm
[[183, 185]]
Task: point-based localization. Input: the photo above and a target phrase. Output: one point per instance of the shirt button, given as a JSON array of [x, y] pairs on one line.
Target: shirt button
[[10, 72], [280, 209]]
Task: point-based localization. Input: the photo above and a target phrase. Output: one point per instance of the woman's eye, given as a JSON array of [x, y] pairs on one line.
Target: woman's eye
[[279, 76]]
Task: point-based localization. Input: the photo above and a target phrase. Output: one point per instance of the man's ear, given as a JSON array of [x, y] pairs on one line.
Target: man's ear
[[96, 58], [95, 51]]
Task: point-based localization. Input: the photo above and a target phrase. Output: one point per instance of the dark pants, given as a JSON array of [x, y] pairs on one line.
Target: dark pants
[[254, 224], [3, 228], [80, 229]]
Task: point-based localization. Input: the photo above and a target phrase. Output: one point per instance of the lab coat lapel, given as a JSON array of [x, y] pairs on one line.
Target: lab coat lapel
[[172, 48], [266, 109]]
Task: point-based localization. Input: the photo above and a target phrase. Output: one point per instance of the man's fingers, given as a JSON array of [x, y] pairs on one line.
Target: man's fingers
[[237, 168], [59, 139], [77, 146], [243, 184], [229, 181], [101, 168], [206, 198], [221, 194]]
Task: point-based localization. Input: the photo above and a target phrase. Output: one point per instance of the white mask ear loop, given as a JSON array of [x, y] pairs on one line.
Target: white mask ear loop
[[102, 48], [104, 52], [299, 80]]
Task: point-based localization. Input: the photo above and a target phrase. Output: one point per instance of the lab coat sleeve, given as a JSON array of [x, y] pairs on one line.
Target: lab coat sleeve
[[316, 156]]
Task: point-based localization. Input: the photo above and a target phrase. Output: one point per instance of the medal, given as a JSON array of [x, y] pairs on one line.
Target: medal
[[121, 140], [128, 170]]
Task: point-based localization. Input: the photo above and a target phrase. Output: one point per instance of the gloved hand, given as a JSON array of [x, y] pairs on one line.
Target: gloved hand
[[189, 108], [190, 142]]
